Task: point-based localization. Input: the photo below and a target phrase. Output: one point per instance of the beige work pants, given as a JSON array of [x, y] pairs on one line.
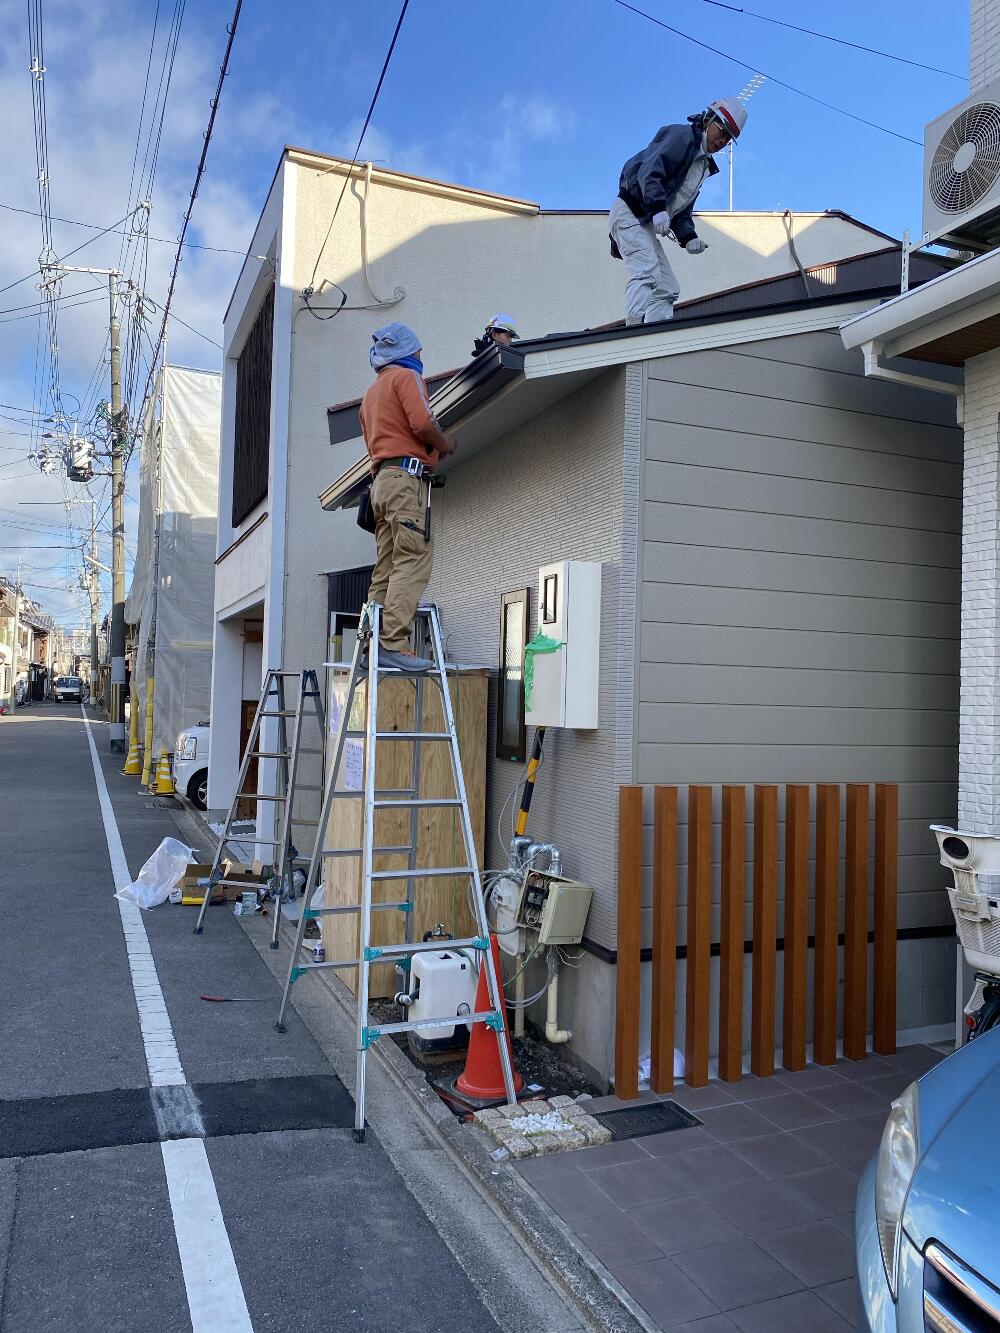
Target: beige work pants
[[402, 557]]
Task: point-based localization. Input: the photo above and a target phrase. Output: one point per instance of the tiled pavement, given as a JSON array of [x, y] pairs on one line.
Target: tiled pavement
[[744, 1224]]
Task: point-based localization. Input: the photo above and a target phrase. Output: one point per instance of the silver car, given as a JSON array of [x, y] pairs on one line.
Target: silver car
[[927, 1226]]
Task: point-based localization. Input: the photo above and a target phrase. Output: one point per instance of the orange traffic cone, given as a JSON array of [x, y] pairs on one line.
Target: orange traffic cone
[[482, 1079]]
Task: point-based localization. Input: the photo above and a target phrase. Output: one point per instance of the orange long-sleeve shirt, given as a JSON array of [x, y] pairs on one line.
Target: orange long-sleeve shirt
[[396, 418]]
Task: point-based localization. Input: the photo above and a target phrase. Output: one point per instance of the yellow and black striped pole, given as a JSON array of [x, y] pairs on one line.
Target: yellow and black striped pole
[[529, 781]]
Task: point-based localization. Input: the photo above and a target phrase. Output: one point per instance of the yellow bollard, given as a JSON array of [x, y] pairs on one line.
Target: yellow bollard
[[133, 763], [147, 757], [164, 782]]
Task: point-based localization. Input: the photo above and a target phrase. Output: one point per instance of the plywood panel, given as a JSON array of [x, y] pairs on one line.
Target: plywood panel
[[438, 831]]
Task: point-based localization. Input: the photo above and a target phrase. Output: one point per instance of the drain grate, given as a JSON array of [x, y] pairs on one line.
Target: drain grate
[[161, 803], [652, 1118]]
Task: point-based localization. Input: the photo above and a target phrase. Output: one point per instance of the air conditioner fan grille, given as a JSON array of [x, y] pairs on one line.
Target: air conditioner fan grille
[[955, 190]]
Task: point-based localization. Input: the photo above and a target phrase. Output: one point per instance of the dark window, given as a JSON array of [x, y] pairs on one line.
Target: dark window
[[253, 415], [510, 685]]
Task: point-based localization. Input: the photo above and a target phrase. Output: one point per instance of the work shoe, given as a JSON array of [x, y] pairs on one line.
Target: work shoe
[[403, 661]]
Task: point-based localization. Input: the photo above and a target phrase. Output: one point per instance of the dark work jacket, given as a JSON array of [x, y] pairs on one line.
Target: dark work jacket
[[651, 179]]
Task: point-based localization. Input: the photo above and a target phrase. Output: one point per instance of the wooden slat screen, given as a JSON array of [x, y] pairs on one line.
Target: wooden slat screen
[[886, 872], [664, 989], [697, 947], [796, 928], [731, 935], [629, 942], [699, 934], [252, 436]]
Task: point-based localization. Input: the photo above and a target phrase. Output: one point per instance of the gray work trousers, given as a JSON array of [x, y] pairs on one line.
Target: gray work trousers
[[652, 288]]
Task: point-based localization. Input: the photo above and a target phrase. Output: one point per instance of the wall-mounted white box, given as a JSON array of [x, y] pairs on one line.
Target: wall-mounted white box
[[565, 689]]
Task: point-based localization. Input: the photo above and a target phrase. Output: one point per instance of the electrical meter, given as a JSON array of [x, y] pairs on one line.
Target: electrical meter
[[554, 907]]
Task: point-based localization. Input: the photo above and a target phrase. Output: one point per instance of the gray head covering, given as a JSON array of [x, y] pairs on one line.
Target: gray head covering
[[391, 343]]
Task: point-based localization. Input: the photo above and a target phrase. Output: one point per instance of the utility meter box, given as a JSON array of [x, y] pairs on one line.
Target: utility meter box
[[565, 688], [554, 907]]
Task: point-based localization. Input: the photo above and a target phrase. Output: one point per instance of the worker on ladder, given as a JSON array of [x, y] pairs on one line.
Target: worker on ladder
[[405, 444], [656, 196]]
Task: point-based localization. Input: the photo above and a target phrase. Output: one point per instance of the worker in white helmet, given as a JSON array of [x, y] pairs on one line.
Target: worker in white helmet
[[500, 328], [656, 197]]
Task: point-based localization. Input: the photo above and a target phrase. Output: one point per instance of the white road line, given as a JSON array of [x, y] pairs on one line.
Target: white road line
[[214, 1292]]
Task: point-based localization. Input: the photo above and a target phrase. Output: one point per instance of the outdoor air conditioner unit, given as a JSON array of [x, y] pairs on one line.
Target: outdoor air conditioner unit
[[962, 173]]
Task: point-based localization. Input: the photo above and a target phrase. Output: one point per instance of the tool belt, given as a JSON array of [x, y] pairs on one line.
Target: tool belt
[[414, 466]]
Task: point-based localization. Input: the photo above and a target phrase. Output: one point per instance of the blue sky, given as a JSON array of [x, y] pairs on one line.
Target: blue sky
[[543, 100]]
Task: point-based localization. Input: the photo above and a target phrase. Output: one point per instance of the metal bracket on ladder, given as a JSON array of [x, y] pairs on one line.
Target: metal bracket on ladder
[[369, 673], [273, 704]]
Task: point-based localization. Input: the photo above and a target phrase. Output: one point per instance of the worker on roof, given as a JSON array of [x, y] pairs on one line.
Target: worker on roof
[[656, 197], [499, 329], [405, 445]]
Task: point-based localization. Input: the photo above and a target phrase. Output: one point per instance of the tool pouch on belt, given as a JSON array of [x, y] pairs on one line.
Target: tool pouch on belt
[[366, 514]]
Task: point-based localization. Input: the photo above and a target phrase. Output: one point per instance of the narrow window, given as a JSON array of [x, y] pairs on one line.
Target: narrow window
[[252, 442], [510, 685]]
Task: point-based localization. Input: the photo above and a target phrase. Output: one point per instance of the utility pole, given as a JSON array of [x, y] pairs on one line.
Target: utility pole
[[17, 636], [95, 601], [117, 531]]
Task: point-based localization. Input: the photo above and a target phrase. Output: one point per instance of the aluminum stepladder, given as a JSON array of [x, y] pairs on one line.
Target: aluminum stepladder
[[369, 671], [273, 703]]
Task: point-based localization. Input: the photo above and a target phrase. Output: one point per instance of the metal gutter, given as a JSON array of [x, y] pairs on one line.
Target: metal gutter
[[963, 289]]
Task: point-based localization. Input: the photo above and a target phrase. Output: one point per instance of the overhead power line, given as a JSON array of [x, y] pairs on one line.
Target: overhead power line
[[364, 130], [199, 172], [828, 37], [781, 83], [116, 230]]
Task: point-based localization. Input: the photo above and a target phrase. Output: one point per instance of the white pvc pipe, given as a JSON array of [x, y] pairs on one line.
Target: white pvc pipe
[[553, 1032], [519, 996]]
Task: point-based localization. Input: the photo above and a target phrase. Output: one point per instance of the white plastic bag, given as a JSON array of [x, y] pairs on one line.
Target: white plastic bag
[[161, 873]]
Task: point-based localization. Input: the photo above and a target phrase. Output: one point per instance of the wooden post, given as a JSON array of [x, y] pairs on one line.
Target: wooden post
[[825, 962], [886, 868], [856, 923], [629, 942], [732, 934], [765, 929], [796, 926], [664, 989], [699, 934]]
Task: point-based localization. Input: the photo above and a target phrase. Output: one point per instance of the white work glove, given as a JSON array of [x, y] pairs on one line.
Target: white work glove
[[661, 223], [696, 246]]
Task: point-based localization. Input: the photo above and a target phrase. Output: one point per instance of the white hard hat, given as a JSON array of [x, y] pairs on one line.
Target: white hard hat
[[731, 113], [503, 321]]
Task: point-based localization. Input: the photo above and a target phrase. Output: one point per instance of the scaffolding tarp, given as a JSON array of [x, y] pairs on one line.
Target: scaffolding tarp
[[171, 600]]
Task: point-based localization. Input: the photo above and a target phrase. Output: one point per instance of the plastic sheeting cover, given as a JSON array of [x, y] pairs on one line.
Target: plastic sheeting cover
[[172, 596]]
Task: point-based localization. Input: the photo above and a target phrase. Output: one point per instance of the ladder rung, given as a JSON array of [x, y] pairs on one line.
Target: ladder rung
[[418, 802], [422, 946], [425, 873], [411, 1025], [401, 906], [265, 842], [270, 754], [311, 822], [230, 883], [257, 796], [385, 791], [280, 712], [413, 735], [358, 851], [315, 967]]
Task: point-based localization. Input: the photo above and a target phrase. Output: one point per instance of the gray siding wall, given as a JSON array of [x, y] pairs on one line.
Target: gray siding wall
[[799, 585], [551, 490]]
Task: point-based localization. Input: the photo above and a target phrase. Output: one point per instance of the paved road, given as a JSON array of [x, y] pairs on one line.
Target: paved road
[[231, 1196]]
